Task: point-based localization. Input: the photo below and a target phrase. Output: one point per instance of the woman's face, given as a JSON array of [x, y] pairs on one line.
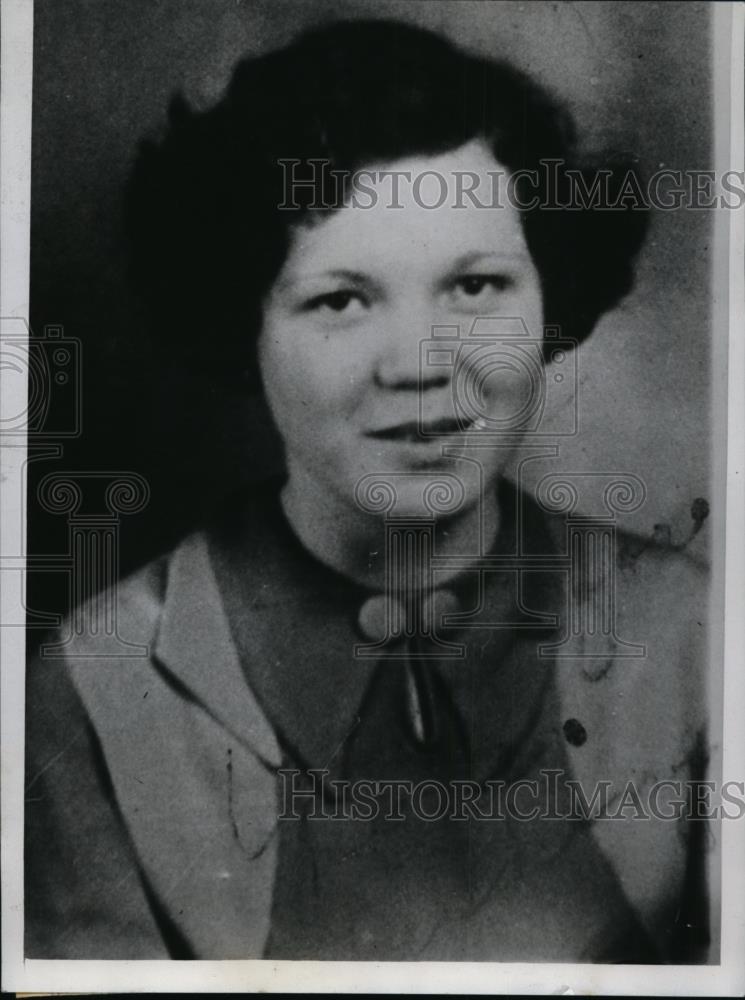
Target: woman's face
[[347, 321]]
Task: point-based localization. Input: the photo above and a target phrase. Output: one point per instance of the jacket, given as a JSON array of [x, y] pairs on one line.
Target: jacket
[[152, 792]]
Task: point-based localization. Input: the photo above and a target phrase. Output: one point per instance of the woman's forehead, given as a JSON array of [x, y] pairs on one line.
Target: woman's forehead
[[420, 210]]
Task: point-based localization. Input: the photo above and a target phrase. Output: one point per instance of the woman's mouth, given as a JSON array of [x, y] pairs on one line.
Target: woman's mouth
[[416, 432]]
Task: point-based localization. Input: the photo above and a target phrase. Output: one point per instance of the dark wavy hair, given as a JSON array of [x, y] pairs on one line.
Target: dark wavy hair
[[206, 237]]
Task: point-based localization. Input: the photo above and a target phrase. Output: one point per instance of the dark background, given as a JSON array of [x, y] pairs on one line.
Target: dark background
[[636, 75]]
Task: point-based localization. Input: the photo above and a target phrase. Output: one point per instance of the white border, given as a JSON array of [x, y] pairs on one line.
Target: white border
[[16, 32], [728, 979], [730, 149]]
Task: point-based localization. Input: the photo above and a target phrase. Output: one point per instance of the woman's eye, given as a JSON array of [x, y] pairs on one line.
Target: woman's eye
[[336, 302], [474, 285]]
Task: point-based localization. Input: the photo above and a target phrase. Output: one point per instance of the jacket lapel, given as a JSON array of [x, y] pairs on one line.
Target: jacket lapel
[[195, 647], [191, 760]]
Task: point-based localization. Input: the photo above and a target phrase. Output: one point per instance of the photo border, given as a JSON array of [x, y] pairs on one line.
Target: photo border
[[727, 978]]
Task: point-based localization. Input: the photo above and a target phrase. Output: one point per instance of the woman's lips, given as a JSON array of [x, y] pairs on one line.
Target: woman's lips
[[420, 433]]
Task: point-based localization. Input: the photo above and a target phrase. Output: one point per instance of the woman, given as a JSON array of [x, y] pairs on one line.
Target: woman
[[387, 624]]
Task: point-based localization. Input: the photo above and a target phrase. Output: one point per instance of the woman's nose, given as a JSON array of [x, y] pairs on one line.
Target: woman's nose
[[400, 362]]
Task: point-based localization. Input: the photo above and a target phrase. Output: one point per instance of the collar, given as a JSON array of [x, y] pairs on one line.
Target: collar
[[293, 626], [195, 647]]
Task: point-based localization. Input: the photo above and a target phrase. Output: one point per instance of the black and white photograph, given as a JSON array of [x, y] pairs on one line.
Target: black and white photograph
[[373, 495]]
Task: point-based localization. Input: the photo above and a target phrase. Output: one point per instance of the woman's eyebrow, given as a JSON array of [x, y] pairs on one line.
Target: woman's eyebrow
[[464, 261], [342, 274]]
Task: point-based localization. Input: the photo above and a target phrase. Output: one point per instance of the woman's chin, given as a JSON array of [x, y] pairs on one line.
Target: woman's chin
[[430, 494]]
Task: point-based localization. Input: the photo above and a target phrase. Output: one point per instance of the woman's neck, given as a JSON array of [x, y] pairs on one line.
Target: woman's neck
[[353, 542]]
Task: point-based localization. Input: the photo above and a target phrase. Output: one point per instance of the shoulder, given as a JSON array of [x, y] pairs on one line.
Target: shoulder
[[635, 657], [666, 573], [123, 618], [84, 898], [659, 586], [118, 621], [110, 623], [662, 594]]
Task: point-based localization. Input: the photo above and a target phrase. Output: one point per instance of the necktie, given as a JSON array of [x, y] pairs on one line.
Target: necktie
[[421, 614], [350, 888]]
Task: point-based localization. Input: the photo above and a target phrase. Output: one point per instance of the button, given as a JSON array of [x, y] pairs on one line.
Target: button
[[377, 618], [575, 732], [438, 604], [383, 618]]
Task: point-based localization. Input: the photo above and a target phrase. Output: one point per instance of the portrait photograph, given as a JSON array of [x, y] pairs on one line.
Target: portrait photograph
[[373, 496]]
